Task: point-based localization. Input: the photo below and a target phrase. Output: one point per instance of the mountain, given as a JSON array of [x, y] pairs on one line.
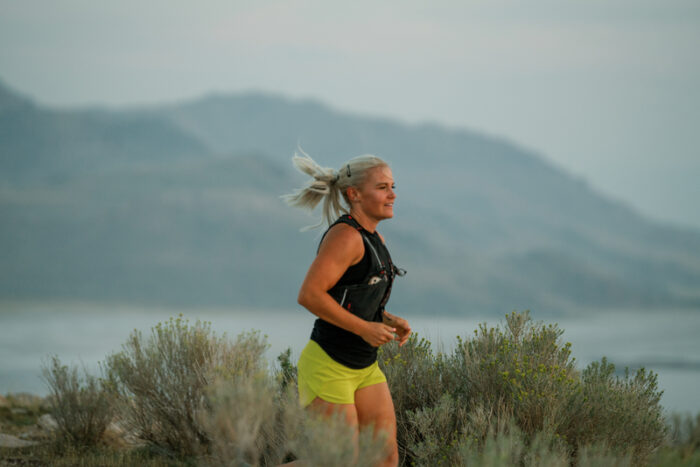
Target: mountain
[[533, 230], [38, 144], [179, 205]]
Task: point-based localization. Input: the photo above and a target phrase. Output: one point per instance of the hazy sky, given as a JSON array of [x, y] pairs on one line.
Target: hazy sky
[[606, 89]]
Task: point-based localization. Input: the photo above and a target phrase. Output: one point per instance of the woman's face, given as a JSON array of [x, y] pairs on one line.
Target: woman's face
[[375, 196]]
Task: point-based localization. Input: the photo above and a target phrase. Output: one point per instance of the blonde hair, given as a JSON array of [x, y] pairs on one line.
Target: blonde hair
[[329, 185]]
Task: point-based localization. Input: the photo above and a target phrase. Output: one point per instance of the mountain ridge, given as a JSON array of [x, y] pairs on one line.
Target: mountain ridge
[[182, 206]]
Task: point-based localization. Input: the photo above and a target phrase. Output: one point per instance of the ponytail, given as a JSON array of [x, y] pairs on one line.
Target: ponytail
[[329, 185]]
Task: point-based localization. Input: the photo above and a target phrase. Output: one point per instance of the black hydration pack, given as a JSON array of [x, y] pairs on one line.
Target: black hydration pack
[[365, 299]]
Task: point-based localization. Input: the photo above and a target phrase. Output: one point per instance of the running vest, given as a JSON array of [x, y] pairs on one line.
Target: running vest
[[365, 299]]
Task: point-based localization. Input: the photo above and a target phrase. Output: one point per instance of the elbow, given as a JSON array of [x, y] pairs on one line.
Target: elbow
[[309, 298], [303, 298]]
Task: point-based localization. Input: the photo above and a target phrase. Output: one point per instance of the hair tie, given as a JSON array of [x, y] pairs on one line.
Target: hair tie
[[335, 179]]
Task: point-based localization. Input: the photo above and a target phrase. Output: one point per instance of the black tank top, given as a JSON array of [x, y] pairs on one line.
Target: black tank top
[[355, 273], [363, 290]]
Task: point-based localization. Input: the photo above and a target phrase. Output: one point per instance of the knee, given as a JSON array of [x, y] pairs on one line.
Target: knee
[[392, 460], [392, 452]]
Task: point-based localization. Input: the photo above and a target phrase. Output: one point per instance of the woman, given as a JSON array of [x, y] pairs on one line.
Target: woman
[[347, 287]]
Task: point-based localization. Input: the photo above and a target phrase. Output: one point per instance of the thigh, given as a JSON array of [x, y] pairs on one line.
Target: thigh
[[329, 408], [375, 406]]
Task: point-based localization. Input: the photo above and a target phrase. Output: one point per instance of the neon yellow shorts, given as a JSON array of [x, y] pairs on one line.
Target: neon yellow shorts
[[321, 376]]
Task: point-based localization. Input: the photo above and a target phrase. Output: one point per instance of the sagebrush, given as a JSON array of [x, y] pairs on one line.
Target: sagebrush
[[522, 376], [507, 395], [187, 392], [160, 381], [79, 404]]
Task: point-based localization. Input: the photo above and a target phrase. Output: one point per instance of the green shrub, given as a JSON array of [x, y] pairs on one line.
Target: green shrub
[[523, 369], [518, 377], [519, 372], [436, 432], [498, 449], [287, 374], [621, 412], [78, 404], [188, 392], [509, 395], [417, 379], [507, 446], [160, 382]]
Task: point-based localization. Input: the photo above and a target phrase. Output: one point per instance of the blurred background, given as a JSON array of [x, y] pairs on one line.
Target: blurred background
[[546, 157]]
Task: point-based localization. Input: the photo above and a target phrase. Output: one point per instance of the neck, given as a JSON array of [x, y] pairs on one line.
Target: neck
[[365, 221]]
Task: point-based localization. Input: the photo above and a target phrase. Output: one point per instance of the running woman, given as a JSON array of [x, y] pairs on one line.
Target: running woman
[[347, 286]]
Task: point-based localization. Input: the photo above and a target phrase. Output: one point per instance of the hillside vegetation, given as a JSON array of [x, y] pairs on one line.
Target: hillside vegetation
[[179, 205], [506, 395]]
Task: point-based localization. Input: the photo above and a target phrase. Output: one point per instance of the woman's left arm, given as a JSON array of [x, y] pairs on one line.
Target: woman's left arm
[[402, 327]]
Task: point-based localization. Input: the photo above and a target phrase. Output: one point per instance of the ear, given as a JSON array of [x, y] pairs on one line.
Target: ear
[[353, 193]]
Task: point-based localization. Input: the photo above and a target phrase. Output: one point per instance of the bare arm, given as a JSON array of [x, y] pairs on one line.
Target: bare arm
[[341, 248]]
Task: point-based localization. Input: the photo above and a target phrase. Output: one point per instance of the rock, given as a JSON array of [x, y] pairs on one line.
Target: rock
[[47, 423], [35, 433], [9, 441], [116, 436], [115, 429]]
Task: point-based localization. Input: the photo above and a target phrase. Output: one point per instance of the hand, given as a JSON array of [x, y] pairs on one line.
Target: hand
[[401, 326], [376, 334]]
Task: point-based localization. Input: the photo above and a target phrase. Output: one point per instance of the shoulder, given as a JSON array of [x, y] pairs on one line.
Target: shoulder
[[342, 237], [381, 237]]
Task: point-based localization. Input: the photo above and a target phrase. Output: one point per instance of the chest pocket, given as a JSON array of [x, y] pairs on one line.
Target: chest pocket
[[366, 298]]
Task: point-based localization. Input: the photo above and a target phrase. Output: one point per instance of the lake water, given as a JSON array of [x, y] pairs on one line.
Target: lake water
[[667, 342]]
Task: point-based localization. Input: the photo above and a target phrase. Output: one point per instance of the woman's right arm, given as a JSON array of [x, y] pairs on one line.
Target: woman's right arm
[[341, 248]]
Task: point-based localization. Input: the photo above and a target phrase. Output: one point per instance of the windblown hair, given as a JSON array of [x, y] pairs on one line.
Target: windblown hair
[[329, 185]]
